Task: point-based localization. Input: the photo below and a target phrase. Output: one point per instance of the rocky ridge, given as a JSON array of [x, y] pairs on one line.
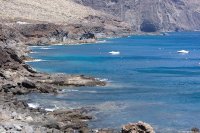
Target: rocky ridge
[[152, 15]]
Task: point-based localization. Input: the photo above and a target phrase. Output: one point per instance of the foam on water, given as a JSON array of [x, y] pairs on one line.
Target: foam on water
[[52, 109], [45, 48], [35, 60], [33, 105]]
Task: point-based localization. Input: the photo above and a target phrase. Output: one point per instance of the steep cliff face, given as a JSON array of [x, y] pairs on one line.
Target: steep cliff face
[[152, 15]]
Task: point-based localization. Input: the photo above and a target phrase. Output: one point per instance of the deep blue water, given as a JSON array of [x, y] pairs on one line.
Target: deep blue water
[[148, 81]]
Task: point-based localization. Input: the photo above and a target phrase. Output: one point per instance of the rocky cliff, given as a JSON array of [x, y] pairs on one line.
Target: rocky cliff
[[152, 15]]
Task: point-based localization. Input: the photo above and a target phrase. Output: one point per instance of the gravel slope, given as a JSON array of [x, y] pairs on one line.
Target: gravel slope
[[59, 11]]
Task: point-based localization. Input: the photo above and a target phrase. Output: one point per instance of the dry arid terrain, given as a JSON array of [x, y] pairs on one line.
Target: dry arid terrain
[[59, 11], [152, 15]]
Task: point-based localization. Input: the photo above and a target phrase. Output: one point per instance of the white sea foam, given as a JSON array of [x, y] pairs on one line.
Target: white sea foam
[[52, 109], [183, 51], [33, 105], [114, 52], [103, 41], [41, 47], [90, 91], [58, 44], [34, 46], [49, 109], [33, 52], [72, 90], [45, 48], [35, 60], [103, 79]]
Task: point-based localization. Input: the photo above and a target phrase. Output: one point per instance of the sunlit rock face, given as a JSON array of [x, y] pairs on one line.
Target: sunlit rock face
[[152, 15]]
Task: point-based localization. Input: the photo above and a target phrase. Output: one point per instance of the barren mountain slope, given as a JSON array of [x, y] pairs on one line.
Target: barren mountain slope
[[152, 15], [54, 11], [68, 16]]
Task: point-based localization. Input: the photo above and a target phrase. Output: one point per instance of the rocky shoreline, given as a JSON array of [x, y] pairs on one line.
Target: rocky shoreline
[[17, 78]]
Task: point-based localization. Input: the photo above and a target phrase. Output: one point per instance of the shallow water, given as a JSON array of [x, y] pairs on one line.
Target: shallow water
[[148, 80]]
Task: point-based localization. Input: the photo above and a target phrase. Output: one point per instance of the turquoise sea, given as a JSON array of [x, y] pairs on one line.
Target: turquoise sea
[[148, 81]]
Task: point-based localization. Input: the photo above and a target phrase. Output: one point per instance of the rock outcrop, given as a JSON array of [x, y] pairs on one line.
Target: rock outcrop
[[16, 116], [152, 15], [139, 127], [19, 78]]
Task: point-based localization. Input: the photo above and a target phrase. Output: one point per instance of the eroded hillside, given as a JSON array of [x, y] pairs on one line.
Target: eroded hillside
[[152, 15], [60, 12]]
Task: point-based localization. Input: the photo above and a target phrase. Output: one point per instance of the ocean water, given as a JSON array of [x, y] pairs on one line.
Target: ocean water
[[148, 81]]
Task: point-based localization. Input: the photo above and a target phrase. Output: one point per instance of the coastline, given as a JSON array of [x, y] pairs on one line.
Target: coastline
[[18, 78]]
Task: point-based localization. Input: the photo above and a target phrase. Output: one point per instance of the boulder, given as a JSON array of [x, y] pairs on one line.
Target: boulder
[[139, 127]]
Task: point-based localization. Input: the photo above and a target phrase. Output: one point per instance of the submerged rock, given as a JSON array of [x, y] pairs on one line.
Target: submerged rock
[[139, 127]]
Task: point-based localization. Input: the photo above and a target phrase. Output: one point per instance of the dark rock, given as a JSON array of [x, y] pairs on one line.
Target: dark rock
[[28, 84], [52, 125], [2, 75], [13, 55], [87, 36], [84, 130], [28, 68], [148, 26], [45, 88], [20, 91], [7, 88], [195, 130]]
